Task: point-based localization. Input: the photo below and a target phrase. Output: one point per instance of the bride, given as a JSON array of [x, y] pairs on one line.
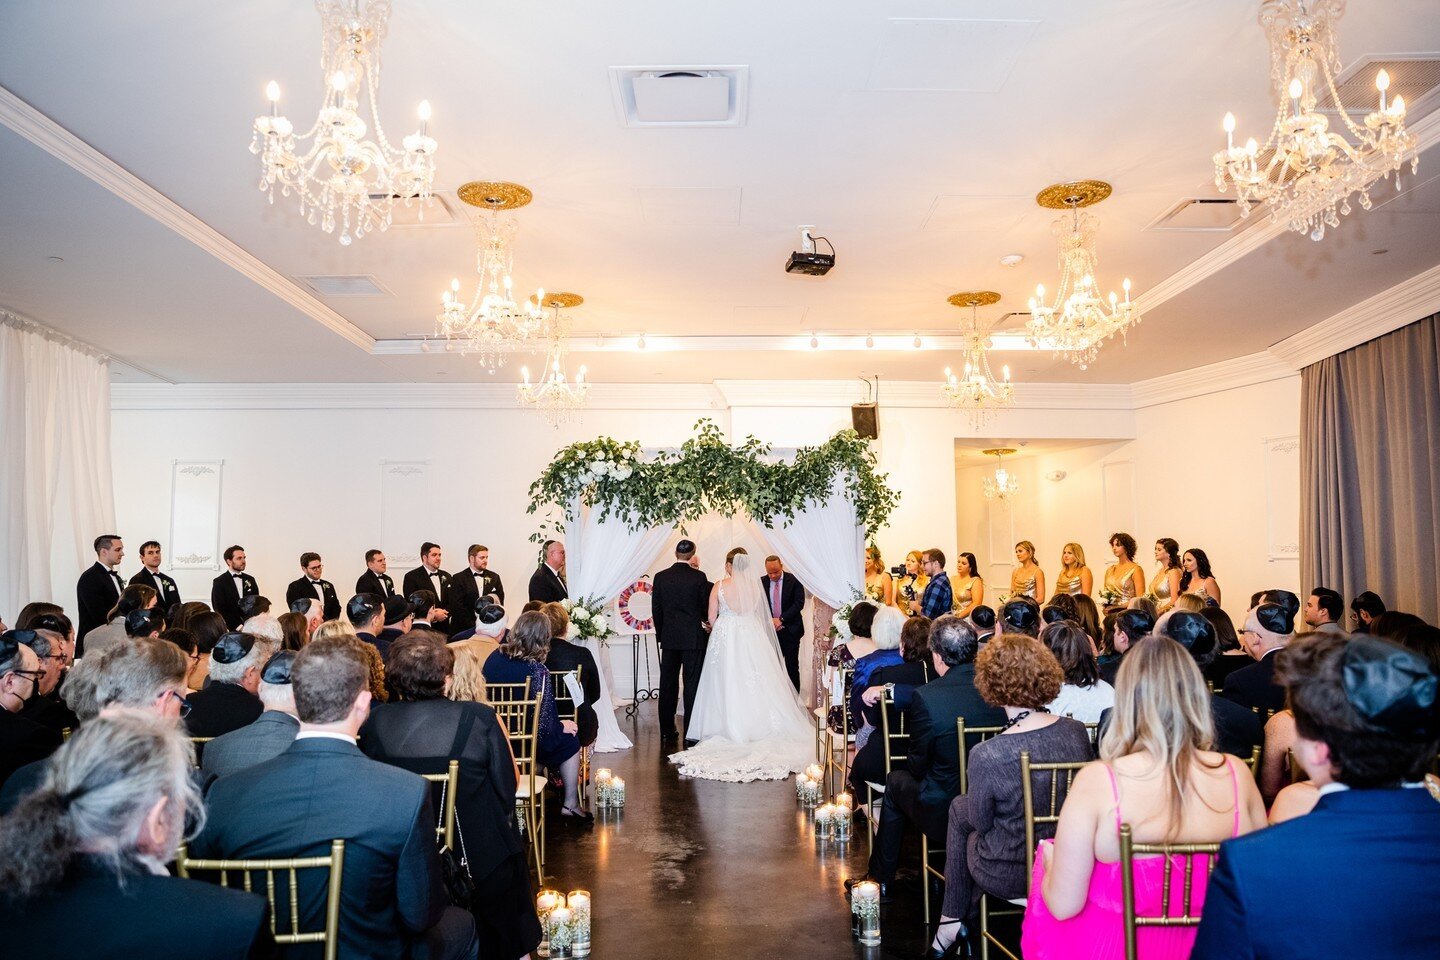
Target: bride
[[747, 716]]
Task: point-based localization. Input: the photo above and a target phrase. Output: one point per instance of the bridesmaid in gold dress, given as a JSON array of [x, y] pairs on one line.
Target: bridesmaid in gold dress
[[1124, 577], [912, 585], [1074, 577], [1197, 577], [1165, 586], [968, 586], [879, 585], [1027, 580]]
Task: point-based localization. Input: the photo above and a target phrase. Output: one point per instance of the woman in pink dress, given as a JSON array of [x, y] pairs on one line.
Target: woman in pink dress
[[1158, 774]]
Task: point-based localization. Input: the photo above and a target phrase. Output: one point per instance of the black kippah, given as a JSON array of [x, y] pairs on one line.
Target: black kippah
[[1276, 618], [1390, 687], [492, 613]]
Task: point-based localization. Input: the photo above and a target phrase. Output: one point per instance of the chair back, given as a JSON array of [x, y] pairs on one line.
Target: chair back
[[334, 865], [1042, 806], [1172, 853], [199, 744], [1253, 761], [963, 739], [565, 705], [895, 729], [445, 833], [520, 713]]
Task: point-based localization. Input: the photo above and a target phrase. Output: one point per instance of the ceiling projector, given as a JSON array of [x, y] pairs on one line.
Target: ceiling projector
[[807, 260]]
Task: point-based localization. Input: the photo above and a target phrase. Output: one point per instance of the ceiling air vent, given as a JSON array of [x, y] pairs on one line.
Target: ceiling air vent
[[1414, 77], [1199, 215], [683, 96], [357, 286]]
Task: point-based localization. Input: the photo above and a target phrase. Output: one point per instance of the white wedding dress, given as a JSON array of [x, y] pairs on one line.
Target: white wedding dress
[[747, 717]]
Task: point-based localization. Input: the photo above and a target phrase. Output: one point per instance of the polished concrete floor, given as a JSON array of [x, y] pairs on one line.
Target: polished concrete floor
[[696, 868]]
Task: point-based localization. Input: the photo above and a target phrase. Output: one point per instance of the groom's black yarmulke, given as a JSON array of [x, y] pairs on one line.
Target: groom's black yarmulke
[[685, 546]]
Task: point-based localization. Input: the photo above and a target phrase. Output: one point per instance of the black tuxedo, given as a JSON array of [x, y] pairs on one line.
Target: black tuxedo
[[91, 914], [680, 604], [220, 708], [163, 584], [321, 790], [419, 579], [467, 587], [792, 622], [1255, 686], [565, 655], [23, 741], [225, 601], [546, 586], [304, 589], [379, 584], [95, 594]]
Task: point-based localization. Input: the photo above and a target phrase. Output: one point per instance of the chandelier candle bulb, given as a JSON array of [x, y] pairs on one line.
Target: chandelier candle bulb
[[1382, 83]]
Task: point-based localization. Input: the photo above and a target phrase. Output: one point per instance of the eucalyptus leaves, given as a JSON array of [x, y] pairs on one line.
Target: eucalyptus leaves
[[709, 475]]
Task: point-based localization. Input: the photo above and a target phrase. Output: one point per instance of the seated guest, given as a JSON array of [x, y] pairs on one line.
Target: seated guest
[[1238, 731], [1230, 655], [424, 603], [208, 628], [45, 707], [252, 606], [180, 620], [1089, 615], [82, 858], [1083, 696], [262, 626], [521, 658], [22, 740], [982, 618], [565, 656], [230, 700], [494, 628], [322, 789], [141, 623], [1294, 800], [985, 849], [844, 654], [32, 611], [1324, 611], [1353, 876], [1363, 610], [468, 679], [379, 692], [1410, 632], [1275, 765], [901, 679], [295, 631], [421, 731], [1158, 773], [1129, 628], [885, 633], [366, 613], [921, 793], [1267, 629], [313, 611], [269, 736], [1189, 602], [134, 597], [1019, 616], [1061, 607], [398, 616], [186, 643]]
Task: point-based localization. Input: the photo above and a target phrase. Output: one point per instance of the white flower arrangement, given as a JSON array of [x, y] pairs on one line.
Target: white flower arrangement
[[587, 622]]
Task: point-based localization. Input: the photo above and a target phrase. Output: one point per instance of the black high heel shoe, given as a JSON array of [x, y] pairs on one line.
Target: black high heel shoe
[[958, 948]]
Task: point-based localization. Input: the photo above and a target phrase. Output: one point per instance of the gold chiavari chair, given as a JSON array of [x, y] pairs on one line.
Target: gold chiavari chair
[[199, 743], [568, 709], [520, 713], [837, 744], [963, 736], [65, 733], [1253, 761], [1171, 853], [334, 864], [445, 833], [896, 741]]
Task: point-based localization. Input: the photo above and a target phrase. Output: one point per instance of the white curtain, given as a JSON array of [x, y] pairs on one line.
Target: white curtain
[[602, 558], [55, 482], [823, 545]]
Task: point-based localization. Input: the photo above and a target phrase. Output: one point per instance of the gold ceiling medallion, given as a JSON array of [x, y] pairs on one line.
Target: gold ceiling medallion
[[1072, 195], [494, 194], [979, 298], [555, 394], [559, 301], [999, 452]]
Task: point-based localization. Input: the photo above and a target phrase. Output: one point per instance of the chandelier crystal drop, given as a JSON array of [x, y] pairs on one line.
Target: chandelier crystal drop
[[491, 323], [1002, 485], [976, 390], [1305, 172], [555, 394], [344, 178], [1078, 321]]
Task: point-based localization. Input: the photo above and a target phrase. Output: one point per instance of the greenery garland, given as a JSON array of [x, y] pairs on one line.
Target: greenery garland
[[708, 475]]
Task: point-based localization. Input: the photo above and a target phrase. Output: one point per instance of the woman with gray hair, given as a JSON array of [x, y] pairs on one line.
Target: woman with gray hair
[[92, 843]]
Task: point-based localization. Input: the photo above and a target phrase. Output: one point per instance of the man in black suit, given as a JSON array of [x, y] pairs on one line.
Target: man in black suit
[[429, 576], [22, 740], [424, 607], [787, 609], [98, 587], [375, 579], [547, 583], [312, 587], [269, 736], [680, 604], [398, 616], [1268, 628], [1238, 731], [231, 699], [167, 593], [921, 794], [469, 585], [232, 584], [323, 788], [1131, 627], [366, 613]]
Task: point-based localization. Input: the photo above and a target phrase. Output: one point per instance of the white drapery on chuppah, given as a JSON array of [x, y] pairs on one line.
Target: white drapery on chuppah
[[603, 556]]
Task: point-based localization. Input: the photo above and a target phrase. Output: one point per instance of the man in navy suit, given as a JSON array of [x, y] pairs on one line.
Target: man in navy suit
[[787, 609], [1354, 877]]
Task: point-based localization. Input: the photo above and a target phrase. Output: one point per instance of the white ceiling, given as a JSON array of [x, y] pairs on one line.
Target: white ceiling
[[921, 191]]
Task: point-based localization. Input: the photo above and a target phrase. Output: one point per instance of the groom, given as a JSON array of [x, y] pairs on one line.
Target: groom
[[679, 603], [787, 611]]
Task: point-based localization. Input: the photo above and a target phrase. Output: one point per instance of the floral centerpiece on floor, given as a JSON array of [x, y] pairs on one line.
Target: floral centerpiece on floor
[[587, 621]]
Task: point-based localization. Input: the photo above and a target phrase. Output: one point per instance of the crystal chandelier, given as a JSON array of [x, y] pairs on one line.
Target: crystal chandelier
[[343, 177], [1311, 171], [492, 323], [1003, 485], [1078, 322], [555, 395], [977, 391]]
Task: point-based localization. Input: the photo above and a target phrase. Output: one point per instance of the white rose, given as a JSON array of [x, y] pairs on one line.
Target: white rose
[[600, 467], [567, 603], [572, 632], [600, 625], [622, 472], [579, 613]]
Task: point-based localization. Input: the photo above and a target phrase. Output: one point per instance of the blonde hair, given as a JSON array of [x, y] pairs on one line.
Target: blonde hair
[[1162, 708], [872, 553], [468, 682], [1028, 546], [333, 628], [1077, 550], [1189, 601]]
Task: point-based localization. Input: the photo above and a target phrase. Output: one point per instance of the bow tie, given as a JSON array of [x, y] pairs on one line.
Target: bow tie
[[238, 576], [478, 573], [316, 583]]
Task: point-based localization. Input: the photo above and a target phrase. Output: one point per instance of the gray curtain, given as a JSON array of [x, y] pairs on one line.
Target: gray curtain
[[1370, 470]]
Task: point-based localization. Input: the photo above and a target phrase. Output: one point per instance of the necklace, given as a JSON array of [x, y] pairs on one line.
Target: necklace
[[1014, 720]]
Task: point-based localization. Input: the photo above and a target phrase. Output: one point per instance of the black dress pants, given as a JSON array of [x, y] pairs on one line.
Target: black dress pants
[[672, 664], [903, 805]]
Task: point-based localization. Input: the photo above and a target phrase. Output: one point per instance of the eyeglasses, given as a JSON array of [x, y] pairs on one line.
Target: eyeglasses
[[184, 703], [34, 676]]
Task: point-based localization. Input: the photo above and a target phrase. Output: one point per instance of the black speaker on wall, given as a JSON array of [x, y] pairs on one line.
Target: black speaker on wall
[[865, 417]]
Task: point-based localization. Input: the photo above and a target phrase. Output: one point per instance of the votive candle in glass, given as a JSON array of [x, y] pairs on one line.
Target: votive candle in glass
[[865, 905], [814, 771], [545, 903], [617, 792], [579, 903], [823, 815], [562, 933]]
